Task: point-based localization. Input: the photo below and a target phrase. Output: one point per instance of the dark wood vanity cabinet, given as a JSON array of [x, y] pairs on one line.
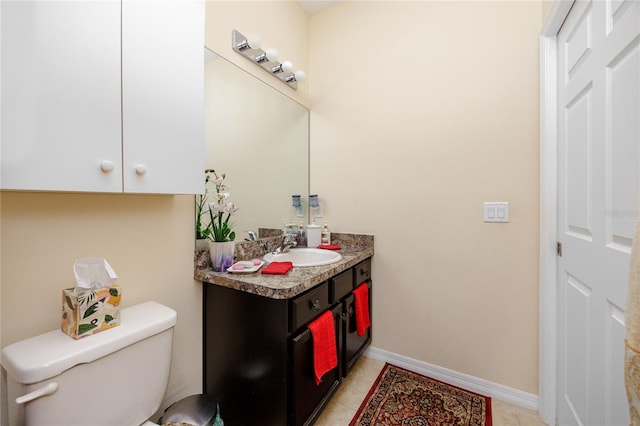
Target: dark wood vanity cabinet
[[258, 351]]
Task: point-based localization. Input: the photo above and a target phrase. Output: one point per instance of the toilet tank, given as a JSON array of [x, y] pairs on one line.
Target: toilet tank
[[116, 377]]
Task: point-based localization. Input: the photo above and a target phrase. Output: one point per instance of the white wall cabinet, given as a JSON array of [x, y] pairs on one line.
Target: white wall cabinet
[[103, 96]]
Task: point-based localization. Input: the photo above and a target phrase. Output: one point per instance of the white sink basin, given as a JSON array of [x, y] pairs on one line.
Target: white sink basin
[[305, 257]]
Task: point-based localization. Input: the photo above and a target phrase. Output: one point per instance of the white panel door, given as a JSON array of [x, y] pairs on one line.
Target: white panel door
[[60, 95], [598, 198], [163, 96]]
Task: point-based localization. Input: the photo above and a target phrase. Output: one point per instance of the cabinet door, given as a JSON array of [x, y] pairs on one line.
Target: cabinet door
[[354, 345], [163, 96], [306, 398], [60, 95]]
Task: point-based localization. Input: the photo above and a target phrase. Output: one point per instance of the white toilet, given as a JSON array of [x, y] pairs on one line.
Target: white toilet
[[116, 377]]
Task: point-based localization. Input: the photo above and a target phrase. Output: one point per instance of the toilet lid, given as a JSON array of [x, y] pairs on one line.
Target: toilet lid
[[47, 355]]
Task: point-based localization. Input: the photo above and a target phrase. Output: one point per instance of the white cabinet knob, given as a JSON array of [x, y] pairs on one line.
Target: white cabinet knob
[[141, 169], [106, 166]]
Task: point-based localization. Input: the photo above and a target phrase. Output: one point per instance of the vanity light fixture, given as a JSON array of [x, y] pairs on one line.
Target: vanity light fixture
[[249, 47]]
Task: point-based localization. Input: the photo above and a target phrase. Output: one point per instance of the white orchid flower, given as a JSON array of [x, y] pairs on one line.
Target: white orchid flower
[[222, 195], [214, 208]]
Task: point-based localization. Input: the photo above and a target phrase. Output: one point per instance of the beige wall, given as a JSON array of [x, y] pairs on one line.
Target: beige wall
[[421, 111], [147, 239]]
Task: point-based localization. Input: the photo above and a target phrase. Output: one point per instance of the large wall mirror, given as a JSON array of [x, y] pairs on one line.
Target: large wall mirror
[[259, 138]]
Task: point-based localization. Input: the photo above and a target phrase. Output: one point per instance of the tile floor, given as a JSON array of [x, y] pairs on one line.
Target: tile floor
[[354, 389]]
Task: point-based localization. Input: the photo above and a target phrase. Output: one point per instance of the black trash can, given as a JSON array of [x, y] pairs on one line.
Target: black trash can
[[196, 410]]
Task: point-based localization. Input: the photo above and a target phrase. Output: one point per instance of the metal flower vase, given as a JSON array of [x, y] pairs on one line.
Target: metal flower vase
[[221, 254]]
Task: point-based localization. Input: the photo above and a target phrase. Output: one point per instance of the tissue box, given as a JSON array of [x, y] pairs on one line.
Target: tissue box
[[91, 312]]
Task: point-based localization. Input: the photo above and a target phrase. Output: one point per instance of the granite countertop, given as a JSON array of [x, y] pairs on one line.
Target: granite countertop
[[355, 248]]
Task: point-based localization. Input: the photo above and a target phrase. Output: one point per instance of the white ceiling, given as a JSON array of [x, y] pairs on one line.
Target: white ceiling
[[315, 6]]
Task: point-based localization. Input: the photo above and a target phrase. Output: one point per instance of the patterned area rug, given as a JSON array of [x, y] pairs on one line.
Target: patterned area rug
[[402, 397]]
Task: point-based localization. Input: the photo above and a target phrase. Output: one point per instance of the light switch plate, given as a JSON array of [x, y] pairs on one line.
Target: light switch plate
[[496, 211]]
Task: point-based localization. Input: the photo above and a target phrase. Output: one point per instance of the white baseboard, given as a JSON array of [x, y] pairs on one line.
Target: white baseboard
[[474, 384]]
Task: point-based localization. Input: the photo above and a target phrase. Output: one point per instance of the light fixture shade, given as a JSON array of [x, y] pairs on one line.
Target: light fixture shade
[[270, 55], [244, 43], [287, 66], [300, 76], [253, 41]]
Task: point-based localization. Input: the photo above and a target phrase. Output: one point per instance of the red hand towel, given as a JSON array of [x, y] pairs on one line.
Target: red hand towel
[[329, 246], [362, 308], [278, 268], [323, 336]]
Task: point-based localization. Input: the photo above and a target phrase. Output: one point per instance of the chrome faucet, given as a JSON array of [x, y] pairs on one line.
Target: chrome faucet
[[252, 236], [288, 241]]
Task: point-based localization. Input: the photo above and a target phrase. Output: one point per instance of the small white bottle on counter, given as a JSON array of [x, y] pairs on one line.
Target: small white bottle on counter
[[326, 235], [314, 235]]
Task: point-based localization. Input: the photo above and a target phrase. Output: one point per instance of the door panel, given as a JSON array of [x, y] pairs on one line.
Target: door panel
[[578, 180], [598, 187], [577, 298], [622, 147]]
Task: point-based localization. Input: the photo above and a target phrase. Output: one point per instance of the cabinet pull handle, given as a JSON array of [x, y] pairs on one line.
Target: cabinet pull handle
[[106, 166], [363, 272], [141, 169], [315, 304]]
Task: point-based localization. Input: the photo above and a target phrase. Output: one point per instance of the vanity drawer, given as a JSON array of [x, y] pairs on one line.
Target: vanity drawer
[[362, 272], [340, 285], [309, 305]]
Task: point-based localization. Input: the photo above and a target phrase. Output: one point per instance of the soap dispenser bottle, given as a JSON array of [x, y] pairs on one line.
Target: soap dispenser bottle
[[326, 235], [301, 239]]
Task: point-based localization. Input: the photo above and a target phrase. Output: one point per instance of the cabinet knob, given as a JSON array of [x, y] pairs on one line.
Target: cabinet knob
[[315, 304], [106, 166], [141, 169]]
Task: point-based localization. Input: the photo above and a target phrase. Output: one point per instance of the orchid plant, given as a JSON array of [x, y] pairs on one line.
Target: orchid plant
[[203, 230], [218, 228], [220, 211]]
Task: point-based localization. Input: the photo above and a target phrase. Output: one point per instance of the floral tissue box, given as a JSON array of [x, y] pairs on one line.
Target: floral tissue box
[[90, 312]]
